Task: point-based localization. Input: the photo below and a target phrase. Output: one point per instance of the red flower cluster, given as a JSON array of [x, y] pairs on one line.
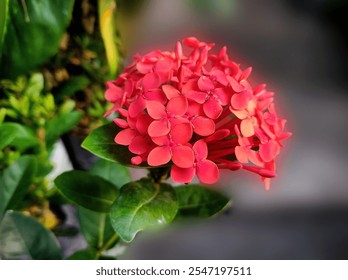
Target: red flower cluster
[[197, 113]]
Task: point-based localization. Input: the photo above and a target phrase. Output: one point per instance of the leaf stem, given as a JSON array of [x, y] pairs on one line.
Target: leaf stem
[[107, 245]]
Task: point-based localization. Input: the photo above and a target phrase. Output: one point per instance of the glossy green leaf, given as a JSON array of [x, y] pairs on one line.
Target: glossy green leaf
[[15, 181], [3, 21], [95, 227], [101, 143], [87, 190], [60, 125], [22, 237], [34, 30], [7, 135], [23, 138], [142, 205], [115, 173], [197, 201], [85, 254]]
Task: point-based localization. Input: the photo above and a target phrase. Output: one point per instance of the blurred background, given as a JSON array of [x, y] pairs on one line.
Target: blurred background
[[299, 48]]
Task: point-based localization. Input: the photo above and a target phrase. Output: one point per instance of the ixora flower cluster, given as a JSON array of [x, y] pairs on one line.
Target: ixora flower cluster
[[196, 113]]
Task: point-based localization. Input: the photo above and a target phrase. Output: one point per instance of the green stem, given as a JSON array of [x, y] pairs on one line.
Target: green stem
[[107, 245]]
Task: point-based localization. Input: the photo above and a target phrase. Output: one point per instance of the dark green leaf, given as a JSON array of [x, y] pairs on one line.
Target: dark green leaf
[[142, 205], [85, 254], [95, 227], [34, 30], [23, 139], [22, 237], [14, 182], [197, 201], [101, 143], [60, 125], [115, 173], [87, 190], [3, 21], [71, 86]]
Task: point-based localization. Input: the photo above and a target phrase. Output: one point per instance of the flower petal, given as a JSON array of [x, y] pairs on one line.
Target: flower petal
[[113, 93], [197, 96], [150, 81], [181, 133], [125, 136], [269, 150], [236, 86], [201, 150], [144, 67], [240, 100], [247, 127], [205, 84], [159, 156], [170, 91], [212, 108], [136, 107], [222, 95], [183, 156], [156, 95], [159, 128], [182, 175], [139, 145], [207, 172], [156, 110], [177, 105], [203, 126], [241, 154]]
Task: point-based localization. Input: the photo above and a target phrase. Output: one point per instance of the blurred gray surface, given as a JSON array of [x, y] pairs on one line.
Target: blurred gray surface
[[302, 58]]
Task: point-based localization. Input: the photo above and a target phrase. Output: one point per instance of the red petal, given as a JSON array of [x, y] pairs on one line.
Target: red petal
[[159, 156], [218, 135], [222, 95], [269, 150], [164, 64], [125, 137], [207, 172], [212, 108], [158, 128], [142, 123], [240, 100], [151, 81], [177, 105], [156, 110], [241, 154], [191, 42], [219, 76], [113, 93], [205, 84], [183, 156], [197, 96], [182, 175], [136, 107], [247, 127], [139, 145], [155, 95], [181, 133], [234, 84], [170, 91], [161, 140], [144, 68], [121, 123], [201, 150], [203, 126]]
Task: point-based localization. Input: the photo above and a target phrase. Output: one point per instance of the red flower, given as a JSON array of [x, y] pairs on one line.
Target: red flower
[[196, 113]]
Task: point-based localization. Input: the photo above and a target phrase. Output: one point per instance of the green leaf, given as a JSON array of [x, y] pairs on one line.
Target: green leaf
[[142, 205], [96, 227], [71, 86], [60, 125], [85, 254], [3, 21], [7, 134], [23, 139], [101, 143], [115, 173], [87, 190], [197, 201], [34, 30], [14, 182], [22, 237]]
